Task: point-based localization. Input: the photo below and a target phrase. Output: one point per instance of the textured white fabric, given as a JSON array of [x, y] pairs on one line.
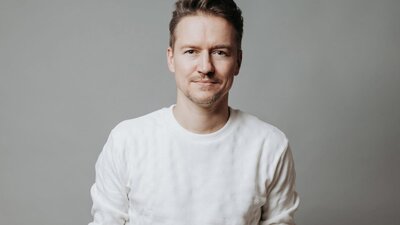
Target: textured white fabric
[[154, 172]]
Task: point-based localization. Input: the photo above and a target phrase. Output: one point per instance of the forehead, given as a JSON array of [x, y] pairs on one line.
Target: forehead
[[204, 29]]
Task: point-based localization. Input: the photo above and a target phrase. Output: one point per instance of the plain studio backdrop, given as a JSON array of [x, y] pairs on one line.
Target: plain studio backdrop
[[327, 73]]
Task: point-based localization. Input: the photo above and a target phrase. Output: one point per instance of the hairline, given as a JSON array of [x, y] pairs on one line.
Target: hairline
[[200, 12]]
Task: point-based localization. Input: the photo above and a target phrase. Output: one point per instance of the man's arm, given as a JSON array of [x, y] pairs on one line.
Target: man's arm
[[110, 192], [282, 199]]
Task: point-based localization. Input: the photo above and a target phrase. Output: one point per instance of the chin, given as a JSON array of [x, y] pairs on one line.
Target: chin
[[205, 101]]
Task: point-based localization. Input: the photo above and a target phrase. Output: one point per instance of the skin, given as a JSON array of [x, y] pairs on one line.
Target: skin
[[205, 59]]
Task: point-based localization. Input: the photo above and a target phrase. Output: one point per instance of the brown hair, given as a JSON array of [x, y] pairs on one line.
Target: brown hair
[[226, 9]]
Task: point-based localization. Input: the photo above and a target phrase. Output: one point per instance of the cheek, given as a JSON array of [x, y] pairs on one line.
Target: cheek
[[228, 75], [229, 83], [183, 65], [227, 71]]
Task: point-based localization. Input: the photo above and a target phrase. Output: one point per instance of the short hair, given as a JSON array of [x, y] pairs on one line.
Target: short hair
[[226, 9]]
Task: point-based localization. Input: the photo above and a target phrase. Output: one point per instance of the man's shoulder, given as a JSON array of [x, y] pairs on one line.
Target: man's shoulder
[[141, 124], [257, 127]]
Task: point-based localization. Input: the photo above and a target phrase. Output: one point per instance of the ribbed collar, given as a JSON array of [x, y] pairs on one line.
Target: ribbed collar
[[184, 133]]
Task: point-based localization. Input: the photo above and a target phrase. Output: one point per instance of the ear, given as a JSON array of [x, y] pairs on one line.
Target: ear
[[170, 59], [238, 62]]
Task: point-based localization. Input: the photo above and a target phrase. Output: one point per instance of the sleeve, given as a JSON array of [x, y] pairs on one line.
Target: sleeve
[[110, 192], [282, 199]]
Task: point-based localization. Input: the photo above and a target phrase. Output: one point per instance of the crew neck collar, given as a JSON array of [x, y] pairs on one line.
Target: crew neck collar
[[202, 137]]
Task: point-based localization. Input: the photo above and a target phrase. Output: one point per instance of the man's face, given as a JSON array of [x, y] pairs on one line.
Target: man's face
[[205, 59]]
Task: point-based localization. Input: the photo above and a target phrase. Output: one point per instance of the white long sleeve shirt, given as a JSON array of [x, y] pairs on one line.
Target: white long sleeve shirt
[[154, 172]]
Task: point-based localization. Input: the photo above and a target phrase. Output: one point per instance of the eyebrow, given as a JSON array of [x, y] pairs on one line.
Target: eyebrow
[[221, 46], [229, 47]]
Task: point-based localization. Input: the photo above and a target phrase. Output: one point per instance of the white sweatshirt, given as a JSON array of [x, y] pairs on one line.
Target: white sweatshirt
[[154, 172]]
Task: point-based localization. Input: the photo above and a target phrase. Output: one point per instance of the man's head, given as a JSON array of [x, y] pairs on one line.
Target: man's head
[[204, 52], [226, 9]]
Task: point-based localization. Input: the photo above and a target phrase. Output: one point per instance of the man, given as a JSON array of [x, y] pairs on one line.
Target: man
[[198, 162]]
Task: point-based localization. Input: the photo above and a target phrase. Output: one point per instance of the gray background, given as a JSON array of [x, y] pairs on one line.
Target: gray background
[[326, 72]]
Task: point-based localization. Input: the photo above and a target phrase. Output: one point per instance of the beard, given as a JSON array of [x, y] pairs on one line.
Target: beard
[[207, 102], [206, 95], [204, 100]]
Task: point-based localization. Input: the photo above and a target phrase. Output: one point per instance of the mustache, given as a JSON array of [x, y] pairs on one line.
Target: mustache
[[205, 79]]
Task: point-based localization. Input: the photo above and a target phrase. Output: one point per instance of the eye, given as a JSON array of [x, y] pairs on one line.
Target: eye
[[190, 52], [220, 53]]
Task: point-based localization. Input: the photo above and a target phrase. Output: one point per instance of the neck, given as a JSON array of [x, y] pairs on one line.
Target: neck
[[201, 119]]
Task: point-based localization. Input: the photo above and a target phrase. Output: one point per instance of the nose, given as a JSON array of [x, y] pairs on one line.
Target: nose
[[205, 66]]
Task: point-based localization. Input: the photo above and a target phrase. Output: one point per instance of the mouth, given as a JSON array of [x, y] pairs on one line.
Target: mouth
[[206, 81]]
